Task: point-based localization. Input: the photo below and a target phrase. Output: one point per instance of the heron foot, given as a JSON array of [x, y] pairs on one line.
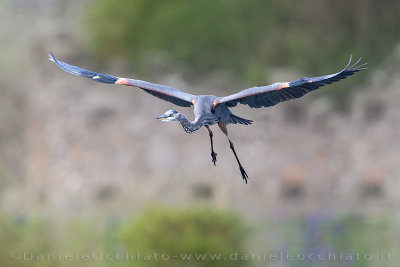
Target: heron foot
[[214, 157], [244, 174]]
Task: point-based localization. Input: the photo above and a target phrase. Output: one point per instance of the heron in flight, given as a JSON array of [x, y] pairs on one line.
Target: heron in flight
[[210, 109]]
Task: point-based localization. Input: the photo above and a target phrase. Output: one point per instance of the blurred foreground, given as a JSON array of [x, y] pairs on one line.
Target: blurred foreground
[[199, 237]]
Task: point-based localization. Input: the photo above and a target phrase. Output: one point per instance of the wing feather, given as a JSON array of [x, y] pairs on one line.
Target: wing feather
[[163, 92], [266, 96]]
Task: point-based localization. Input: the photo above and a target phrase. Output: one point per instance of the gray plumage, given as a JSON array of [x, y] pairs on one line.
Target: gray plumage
[[210, 109]]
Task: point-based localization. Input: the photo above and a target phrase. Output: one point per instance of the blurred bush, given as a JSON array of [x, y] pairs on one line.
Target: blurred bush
[[3, 180], [348, 240], [198, 232], [23, 243], [188, 232], [245, 37]]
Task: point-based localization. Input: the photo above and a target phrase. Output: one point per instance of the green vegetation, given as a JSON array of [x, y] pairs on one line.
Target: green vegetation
[[350, 240], [168, 237], [3, 179], [200, 231], [21, 239], [174, 234], [246, 38]]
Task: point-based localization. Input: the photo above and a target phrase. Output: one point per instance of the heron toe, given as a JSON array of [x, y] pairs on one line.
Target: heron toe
[[214, 157], [244, 174]]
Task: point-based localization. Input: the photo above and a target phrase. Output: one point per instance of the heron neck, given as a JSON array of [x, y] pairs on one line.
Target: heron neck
[[188, 126]]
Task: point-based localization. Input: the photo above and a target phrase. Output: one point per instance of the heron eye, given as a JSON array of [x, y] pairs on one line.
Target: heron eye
[[171, 115]]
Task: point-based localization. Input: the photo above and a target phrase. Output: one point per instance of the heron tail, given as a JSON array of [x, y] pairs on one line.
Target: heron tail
[[237, 120]]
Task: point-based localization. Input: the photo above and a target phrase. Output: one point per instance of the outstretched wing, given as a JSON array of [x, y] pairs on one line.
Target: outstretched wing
[[266, 96], [164, 92]]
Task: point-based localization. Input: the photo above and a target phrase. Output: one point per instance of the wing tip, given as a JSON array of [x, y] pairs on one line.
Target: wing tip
[[52, 57], [354, 67]]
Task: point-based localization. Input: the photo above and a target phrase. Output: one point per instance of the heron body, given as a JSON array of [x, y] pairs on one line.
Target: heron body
[[206, 114], [210, 109]]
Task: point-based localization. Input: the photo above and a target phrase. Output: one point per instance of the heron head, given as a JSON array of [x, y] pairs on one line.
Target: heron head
[[170, 115]]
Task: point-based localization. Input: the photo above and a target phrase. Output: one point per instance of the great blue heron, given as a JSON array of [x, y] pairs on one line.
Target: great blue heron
[[210, 109]]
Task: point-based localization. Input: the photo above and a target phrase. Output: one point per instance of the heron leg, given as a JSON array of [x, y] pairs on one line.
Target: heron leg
[[213, 154], [242, 171], [222, 126]]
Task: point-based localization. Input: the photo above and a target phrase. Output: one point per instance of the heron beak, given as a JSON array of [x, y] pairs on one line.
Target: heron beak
[[162, 117]]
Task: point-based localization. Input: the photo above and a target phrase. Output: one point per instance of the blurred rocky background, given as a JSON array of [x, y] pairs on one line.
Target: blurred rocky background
[[72, 150]]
